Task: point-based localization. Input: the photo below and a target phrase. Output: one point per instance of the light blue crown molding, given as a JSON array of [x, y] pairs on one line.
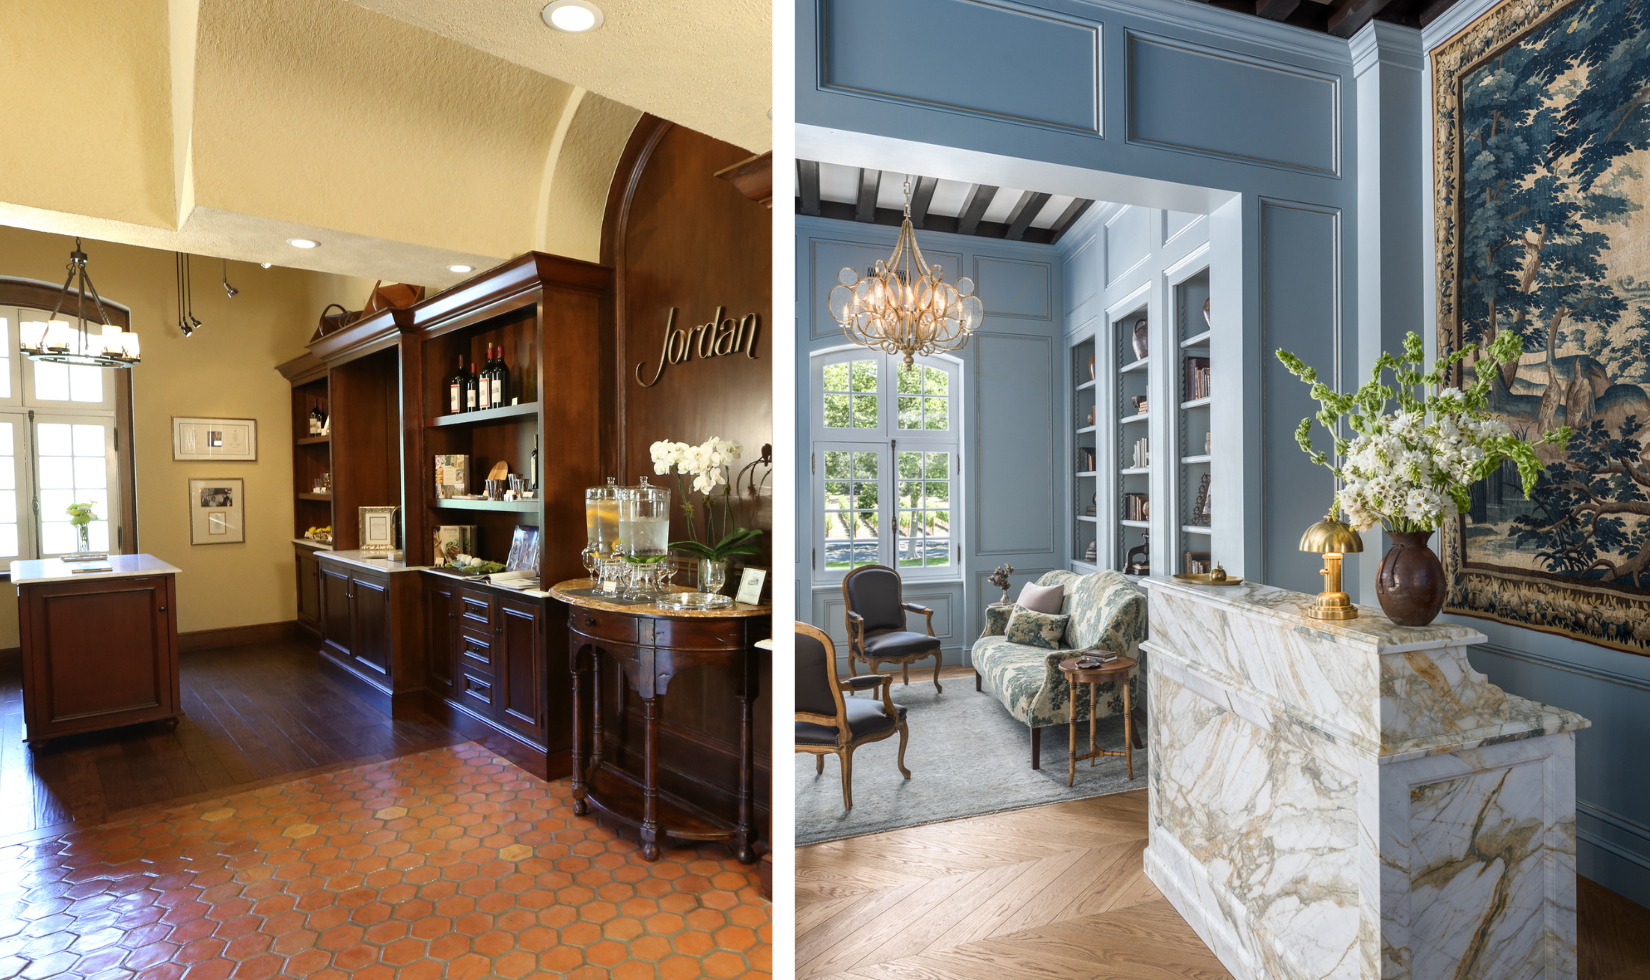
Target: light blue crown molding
[[1380, 43], [1284, 40]]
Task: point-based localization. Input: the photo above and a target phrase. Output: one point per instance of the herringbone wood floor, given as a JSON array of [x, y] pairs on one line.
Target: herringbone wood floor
[[1040, 892], [1053, 892]]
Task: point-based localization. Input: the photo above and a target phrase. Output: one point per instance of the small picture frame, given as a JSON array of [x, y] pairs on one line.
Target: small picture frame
[[752, 585], [216, 511], [232, 440], [377, 529], [524, 550]]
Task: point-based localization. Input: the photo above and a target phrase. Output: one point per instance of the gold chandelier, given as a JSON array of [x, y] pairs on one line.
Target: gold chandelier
[[904, 307]]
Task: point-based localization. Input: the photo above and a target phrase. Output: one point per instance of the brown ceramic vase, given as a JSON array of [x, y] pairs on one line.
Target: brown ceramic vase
[[1410, 584]]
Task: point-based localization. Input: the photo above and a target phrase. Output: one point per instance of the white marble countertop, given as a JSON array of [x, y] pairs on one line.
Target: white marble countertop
[[1371, 630], [375, 561], [57, 570]]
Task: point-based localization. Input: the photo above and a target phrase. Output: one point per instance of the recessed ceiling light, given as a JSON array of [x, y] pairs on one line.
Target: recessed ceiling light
[[572, 16], [301, 243], [266, 264], [461, 268]]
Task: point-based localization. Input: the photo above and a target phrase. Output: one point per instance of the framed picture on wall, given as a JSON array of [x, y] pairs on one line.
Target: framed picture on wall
[[217, 511], [234, 440]]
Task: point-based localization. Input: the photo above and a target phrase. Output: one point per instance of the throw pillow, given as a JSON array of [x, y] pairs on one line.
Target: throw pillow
[[1042, 598], [1035, 629]]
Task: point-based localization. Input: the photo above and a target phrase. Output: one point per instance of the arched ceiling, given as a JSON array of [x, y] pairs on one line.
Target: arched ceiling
[[225, 127]]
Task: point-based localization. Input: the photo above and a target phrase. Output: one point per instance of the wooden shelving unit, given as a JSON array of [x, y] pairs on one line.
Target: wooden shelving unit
[[311, 458], [1132, 380]]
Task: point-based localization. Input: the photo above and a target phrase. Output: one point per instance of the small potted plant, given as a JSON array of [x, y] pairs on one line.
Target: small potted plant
[[999, 578], [81, 516], [708, 464]]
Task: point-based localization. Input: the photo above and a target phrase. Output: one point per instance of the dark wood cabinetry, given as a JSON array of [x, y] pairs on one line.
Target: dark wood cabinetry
[[370, 627], [652, 648], [487, 650], [98, 652], [309, 590]]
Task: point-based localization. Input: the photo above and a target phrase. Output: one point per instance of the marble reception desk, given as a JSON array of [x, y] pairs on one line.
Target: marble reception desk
[[1352, 799]]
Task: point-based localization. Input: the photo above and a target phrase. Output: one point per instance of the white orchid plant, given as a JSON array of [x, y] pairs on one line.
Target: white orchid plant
[[709, 465], [1411, 469]]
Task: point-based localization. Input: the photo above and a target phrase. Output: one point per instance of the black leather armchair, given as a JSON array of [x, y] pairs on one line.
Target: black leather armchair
[[874, 597], [829, 724]]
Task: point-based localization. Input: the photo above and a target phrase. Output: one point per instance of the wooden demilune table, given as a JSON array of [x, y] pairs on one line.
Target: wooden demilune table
[[100, 648], [651, 646]]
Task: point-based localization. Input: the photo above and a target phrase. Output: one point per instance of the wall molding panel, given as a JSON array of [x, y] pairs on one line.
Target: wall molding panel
[[1192, 99]]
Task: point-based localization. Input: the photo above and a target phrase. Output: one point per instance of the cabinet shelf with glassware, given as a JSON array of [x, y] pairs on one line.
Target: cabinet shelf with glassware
[[311, 481], [1194, 447], [1132, 385], [1085, 409]]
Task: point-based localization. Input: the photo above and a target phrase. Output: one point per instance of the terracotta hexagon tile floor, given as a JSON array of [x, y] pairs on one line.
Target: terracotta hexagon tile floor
[[448, 863]]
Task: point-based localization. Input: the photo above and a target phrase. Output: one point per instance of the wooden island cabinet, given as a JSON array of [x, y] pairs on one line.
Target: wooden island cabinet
[[99, 643]]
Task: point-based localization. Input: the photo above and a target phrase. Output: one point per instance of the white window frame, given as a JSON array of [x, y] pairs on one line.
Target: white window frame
[[26, 412], [887, 440]]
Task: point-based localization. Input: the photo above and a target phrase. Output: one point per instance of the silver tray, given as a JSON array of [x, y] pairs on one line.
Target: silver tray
[[695, 601]]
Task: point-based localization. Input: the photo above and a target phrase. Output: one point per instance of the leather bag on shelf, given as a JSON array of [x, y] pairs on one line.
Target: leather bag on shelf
[[395, 296], [333, 322]]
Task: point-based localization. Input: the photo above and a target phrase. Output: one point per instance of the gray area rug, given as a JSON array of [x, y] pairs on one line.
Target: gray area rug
[[967, 757]]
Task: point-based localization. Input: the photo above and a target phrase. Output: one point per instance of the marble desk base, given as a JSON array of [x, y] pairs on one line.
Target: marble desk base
[[1374, 841]]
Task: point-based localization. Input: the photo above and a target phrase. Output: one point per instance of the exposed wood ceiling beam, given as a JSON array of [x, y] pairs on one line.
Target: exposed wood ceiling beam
[[807, 182], [1351, 15], [1025, 211], [1275, 9], [869, 182], [1431, 11], [973, 209], [922, 198], [1068, 217]]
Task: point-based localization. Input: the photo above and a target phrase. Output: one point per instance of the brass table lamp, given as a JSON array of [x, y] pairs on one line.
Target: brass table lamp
[[1332, 539]]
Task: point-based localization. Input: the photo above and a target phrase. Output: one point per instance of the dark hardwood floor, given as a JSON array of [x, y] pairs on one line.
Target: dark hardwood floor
[[252, 714]]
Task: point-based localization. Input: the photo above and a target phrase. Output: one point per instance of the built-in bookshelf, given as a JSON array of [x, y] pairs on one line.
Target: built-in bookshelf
[[1192, 531], [1132, 494], [1086, 421]]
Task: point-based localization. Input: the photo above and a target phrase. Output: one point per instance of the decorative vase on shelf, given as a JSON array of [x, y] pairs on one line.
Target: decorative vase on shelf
[[1140, 348], [713, 574], [1410, 584]]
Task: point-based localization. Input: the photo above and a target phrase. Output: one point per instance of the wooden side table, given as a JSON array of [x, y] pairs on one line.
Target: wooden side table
[[651, 646], [1117, 670]]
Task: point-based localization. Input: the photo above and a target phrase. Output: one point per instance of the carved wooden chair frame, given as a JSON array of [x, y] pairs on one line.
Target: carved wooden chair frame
[[845, 742], [857, 634]]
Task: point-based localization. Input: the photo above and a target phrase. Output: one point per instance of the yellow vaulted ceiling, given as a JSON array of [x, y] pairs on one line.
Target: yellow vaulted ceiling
[[225, 127]]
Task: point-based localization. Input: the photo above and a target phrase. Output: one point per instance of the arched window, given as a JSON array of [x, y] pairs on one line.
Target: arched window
[[886, 465], [60, 439]]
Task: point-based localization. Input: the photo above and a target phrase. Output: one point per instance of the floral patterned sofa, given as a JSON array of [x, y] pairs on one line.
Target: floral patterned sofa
[[1107, 613]]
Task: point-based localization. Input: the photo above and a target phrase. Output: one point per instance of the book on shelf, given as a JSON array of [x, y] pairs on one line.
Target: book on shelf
[[1085, 459], [1137, 506], [1197, 563], [1197, 378], [1142, 454]]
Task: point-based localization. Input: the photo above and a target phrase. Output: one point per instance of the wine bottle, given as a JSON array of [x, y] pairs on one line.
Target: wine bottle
[[315, 419], [487, 379], [533, 466], [501, 380], [472, 389], [455, 389]]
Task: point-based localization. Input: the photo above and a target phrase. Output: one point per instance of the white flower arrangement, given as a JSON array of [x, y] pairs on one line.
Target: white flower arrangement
[[1412, 469], [708, 464]]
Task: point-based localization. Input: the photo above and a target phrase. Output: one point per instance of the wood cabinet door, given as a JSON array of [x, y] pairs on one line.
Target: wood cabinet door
[[370, 608], [98, 654], [309, 589], [440, 635], [334, 594], [520, 655]]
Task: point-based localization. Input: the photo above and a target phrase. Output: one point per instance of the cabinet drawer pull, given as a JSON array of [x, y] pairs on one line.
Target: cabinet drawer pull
[[162, 608], [589, 620]]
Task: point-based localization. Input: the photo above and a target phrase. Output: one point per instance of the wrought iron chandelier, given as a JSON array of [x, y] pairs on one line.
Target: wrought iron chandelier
[[61, 342], [904, 307]]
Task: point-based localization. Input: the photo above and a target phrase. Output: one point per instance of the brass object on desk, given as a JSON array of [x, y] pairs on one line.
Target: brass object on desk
[[1215, 576], [1332, 539]]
